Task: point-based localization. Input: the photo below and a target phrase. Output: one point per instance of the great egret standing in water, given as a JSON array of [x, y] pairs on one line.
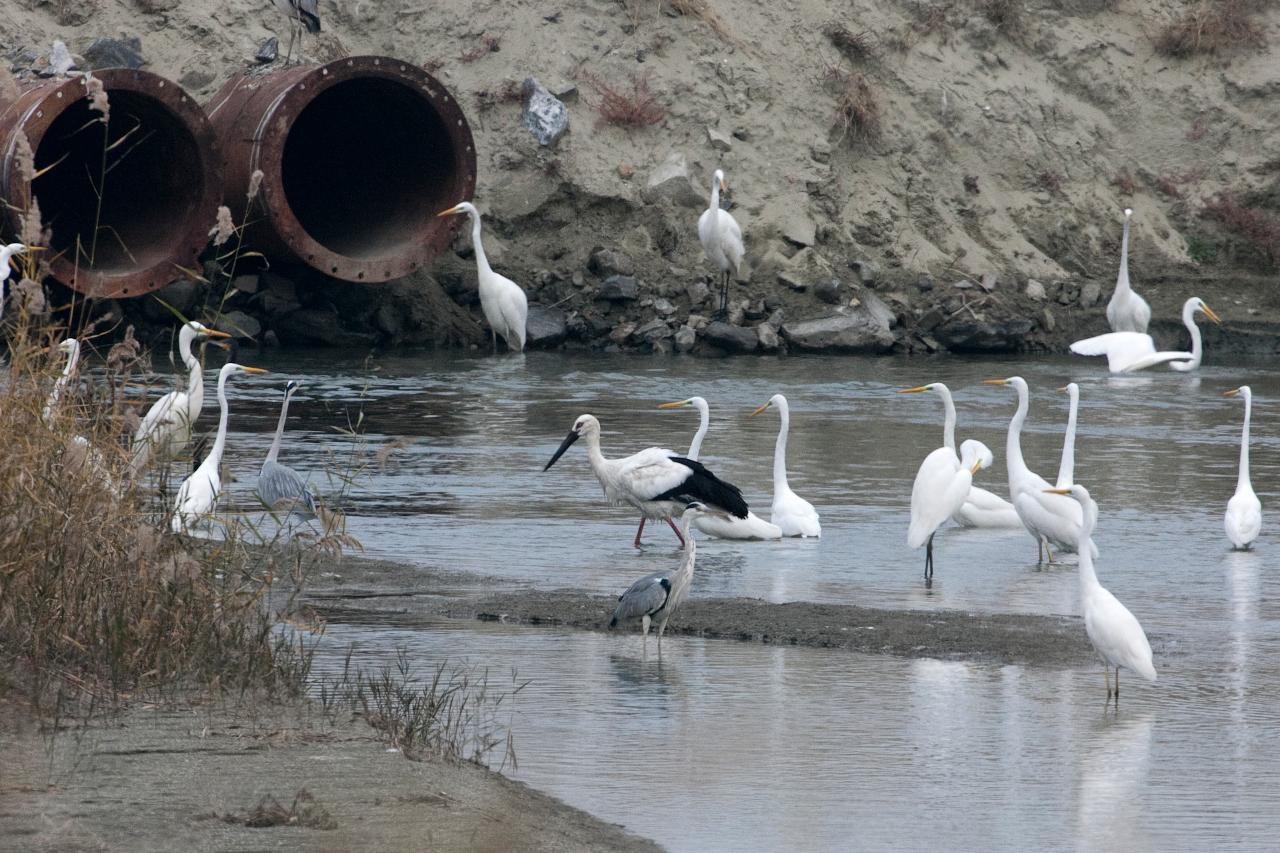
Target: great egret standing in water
[[504, 304], [941, 487], [1244, 511], [794, 515], [1128, 352], [715, 524], [1051, 519], [166, 428], [1114, 631], [981, 508], [279, 486], [198, 494], [656, 596], [654, 481], [1067, 467], [721, 239], [1127, 311]]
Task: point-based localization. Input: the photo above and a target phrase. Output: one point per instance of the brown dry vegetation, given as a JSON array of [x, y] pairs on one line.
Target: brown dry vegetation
[[858, 110], [856, 45], [1255, 230], [1211, 26], [631, 106]]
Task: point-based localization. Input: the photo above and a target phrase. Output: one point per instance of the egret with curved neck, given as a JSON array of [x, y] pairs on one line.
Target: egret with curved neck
[[1243, 520], [166, 428], [1128, 352], [1127, 311], [504, 304], [71, 347], [794, 515]]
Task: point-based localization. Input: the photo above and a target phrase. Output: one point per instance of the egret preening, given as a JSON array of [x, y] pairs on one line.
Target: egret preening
[[1128, 352], [721, 239], [302, 15], [1113, 630], [981, 508], [280, 487], [1051, 519], [198, 494], [71, 347], [1067, 467], [656, 596], [794, 515], [941, 486], [505, 305], [654, 481], [715, 524], [1244, 510], [166, 429], [1127, 311]]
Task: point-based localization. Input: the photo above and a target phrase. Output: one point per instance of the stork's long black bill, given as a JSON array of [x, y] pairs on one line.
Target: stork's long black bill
[[564, 445]]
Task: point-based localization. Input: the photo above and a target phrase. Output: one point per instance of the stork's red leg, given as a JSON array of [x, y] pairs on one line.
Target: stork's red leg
[[639, 530], [679, 535]]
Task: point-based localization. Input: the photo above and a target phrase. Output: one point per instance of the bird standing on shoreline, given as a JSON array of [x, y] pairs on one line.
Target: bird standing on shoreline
[[1127, 311], [721, 240], [302, 15], [504, 304]]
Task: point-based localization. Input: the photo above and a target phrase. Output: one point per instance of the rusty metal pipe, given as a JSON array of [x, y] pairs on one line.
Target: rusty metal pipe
[[357, 156], [159, 194]]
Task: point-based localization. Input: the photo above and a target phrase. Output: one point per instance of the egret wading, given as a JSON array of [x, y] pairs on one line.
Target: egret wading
[[198, 494], [302, 15], [941, 487], [794, 515], [8, 261], [981, 508], [1114, 631], [504, 304], [1067, 465], [656, 596], [1050, 518], [1243, 520], [1127, 311], [721, 240], [1128, 352], [280, 488], [166, 429], [654, 481], [720, 525]]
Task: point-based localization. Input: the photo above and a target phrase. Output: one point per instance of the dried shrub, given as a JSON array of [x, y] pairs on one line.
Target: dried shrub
[[1199, 129], [1004, 15], [1050, 181], [487, 45], [635, 106], [701, 9], [304, 811], [1255, 229], [926, 19], [1124, 181], [859, 46], [1211, 26], [1167, 185], [857, 106]]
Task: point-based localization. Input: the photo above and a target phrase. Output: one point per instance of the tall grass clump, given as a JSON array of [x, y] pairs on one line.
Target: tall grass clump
[[1211, 26], [1254, 230]]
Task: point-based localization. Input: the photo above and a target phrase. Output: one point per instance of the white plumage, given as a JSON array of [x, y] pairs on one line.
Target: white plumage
[[1067, 465], [1128, 352], [7, 254], [505, 306], [940, 488], [1127, 311], [716, 524], [721, 238], [794, 515], [1243, 520]]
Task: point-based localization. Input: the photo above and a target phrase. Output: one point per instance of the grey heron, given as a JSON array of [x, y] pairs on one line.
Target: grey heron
[[655, 481], [721, 239], [279, 486], [302, 14], [505, 305], [198, 494], [656, 596], [792, 513]]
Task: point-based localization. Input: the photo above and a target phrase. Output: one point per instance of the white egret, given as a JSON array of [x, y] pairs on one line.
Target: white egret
[[302, 15], [279, 486], [721, 239], [1128, 352], [1067, 467], [1127, 311], [198, 494], [792, 513], [1244, 510], [8, 256], [941, 486], [1114, 631], [654, 481], [1050, 519], [656, 596], [981, 508], [71, 347], [504, 304], [716, 524], [166, 428]]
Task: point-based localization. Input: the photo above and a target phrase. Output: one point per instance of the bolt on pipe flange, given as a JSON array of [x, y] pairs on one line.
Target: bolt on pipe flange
[[129, 209], [356, 155]]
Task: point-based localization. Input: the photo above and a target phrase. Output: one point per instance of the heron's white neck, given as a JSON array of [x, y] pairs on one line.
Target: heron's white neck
[[1013, 444], [1067, 468], [275, 442], [780, 451], [1189, 320], [215, 456], [704, 421], [195, 377], [73, 357], [1122, 280], [482, 261], [1084, 546], [949, 427], [1243, 481], [690, 547]]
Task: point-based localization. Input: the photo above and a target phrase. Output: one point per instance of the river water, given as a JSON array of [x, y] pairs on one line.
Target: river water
[[732, 746]]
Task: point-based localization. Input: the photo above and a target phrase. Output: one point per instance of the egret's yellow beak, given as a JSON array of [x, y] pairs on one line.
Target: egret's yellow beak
[[1057, 491], [254, 370], [215, 333], [759, 410], [448, 212], [1232, 393], [995, 382], [917, 390], [723, 186], [677, 404], [977, 466], [220, 345], [1064, 389], [1208, 312]]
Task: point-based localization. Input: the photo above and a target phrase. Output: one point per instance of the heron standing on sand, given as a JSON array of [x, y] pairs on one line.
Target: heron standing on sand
[[302, 14]]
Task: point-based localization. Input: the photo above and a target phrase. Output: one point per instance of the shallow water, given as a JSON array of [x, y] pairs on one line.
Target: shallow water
[[732, 746]]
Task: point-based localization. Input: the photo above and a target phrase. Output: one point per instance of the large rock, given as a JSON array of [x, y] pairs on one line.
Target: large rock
[[731, 338], [619, 288], [239, 325], [319, 326], [669, 181], [545, 327], [607, 262], [114, 53], [544, 115], [980, 337], [685, 338], [858, 331]]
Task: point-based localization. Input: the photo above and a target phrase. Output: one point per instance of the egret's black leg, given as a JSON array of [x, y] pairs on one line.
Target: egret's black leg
[[928, 558]]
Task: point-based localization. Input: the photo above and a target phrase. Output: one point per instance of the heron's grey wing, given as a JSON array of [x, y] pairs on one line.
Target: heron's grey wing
[[646, 595], [279, 486], [309, 11]]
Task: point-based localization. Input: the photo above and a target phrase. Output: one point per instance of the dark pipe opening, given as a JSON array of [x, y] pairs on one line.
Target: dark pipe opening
[[365, 165], [153, 179]]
